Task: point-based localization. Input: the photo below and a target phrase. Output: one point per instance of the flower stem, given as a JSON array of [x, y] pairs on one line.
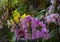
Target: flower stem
[[26, 40], [38, 40], [55, 6]]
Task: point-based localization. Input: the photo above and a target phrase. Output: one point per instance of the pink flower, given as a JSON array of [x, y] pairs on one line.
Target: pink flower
[[52, 18], [45, 34], [59, 0], [33, 36], [58, 6], [59, 20], [49, 20], [44, 27], [51, 8], [27, 36], [52, 1], [55, 15], [19, 33]]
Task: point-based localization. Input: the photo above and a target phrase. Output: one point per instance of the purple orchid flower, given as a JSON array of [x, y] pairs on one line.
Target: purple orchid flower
[[52, 1], [51, 8]]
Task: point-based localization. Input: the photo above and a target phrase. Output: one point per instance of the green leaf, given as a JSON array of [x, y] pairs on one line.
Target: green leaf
[[22, 9], [11, 37]]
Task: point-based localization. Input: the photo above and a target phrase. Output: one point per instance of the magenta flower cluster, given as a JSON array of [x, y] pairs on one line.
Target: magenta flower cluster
[[31, 28], [35, 24]]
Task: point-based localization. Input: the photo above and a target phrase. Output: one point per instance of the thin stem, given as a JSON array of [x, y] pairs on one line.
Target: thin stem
[[55, 6], [38, 40], [43, 40], [26, 40], [16, 40]]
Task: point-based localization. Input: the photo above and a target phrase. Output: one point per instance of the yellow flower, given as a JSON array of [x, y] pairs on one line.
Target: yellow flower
[[24, 15], [12, 22], [16, 15]]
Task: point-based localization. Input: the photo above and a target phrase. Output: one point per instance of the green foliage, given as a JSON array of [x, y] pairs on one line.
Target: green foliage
[[14, 3], [3, 2], [22, 9], [11, 37]]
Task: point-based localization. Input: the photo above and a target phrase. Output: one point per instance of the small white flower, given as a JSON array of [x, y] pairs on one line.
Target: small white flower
[[1, 26], [8, 23]]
